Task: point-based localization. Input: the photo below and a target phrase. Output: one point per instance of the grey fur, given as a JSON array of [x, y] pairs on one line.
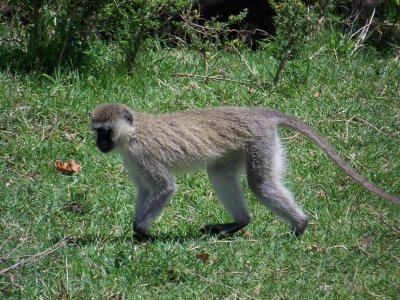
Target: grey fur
[[223, 140]]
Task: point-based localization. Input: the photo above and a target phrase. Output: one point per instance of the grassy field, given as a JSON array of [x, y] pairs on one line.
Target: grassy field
[[351, 248]]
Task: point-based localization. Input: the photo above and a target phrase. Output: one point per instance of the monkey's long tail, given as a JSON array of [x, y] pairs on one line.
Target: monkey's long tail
[[301, 127]]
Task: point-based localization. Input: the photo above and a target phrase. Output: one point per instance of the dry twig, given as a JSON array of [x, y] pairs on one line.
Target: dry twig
[[363, 32], [37, 256], [214, 78], [236, 293]]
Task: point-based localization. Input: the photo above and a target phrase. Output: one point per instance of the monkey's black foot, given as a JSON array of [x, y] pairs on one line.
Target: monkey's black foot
[[140, 233], [143, 237], [300, 228], [227, 228]]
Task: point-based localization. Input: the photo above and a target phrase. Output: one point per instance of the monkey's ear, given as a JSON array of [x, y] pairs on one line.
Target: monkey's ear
[[128, 116]]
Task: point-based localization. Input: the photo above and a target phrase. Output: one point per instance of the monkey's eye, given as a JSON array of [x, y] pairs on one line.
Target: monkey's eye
[[128, 116]]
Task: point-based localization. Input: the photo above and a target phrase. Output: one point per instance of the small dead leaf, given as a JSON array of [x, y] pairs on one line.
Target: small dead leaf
[[316, 94], [67, 167], [252, 90], [203, 257], [61, 166], [317, 248], [193, 247], [365, 242], [70, 136], [32, 175], [343, 182], [213, 260], [298, 178], [75, 207], [244, 233], [191, 85], [320, 194], [117, 296], [74, 166]]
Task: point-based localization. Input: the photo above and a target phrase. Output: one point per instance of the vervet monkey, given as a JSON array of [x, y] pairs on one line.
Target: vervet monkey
[[224, 140]]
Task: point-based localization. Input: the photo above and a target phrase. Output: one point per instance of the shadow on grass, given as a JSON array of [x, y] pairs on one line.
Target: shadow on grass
[[130, 238], [101, 239]]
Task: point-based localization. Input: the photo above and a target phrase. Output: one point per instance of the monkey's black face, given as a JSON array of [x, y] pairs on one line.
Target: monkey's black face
[[104, 140]]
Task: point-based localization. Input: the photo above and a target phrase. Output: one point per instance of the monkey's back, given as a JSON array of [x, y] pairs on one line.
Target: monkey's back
[[172, 138]]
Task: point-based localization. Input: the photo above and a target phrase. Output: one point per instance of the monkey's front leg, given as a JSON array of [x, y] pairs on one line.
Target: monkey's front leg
[[148, 209], [141, 197]]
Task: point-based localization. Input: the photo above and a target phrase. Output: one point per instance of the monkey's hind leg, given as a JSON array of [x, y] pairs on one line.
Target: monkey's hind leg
[[264, 171], [224, 177]]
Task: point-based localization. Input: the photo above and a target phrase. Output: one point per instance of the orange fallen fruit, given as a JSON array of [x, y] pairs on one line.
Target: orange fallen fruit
[[67, 167]]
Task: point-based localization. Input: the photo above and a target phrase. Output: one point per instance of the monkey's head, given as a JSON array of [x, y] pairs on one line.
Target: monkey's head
[[109, 122]]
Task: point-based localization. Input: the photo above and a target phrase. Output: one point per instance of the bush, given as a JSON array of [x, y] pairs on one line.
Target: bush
[[44, 34]]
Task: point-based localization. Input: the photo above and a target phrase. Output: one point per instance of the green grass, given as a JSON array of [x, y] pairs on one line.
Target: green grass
[[350, 250]]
